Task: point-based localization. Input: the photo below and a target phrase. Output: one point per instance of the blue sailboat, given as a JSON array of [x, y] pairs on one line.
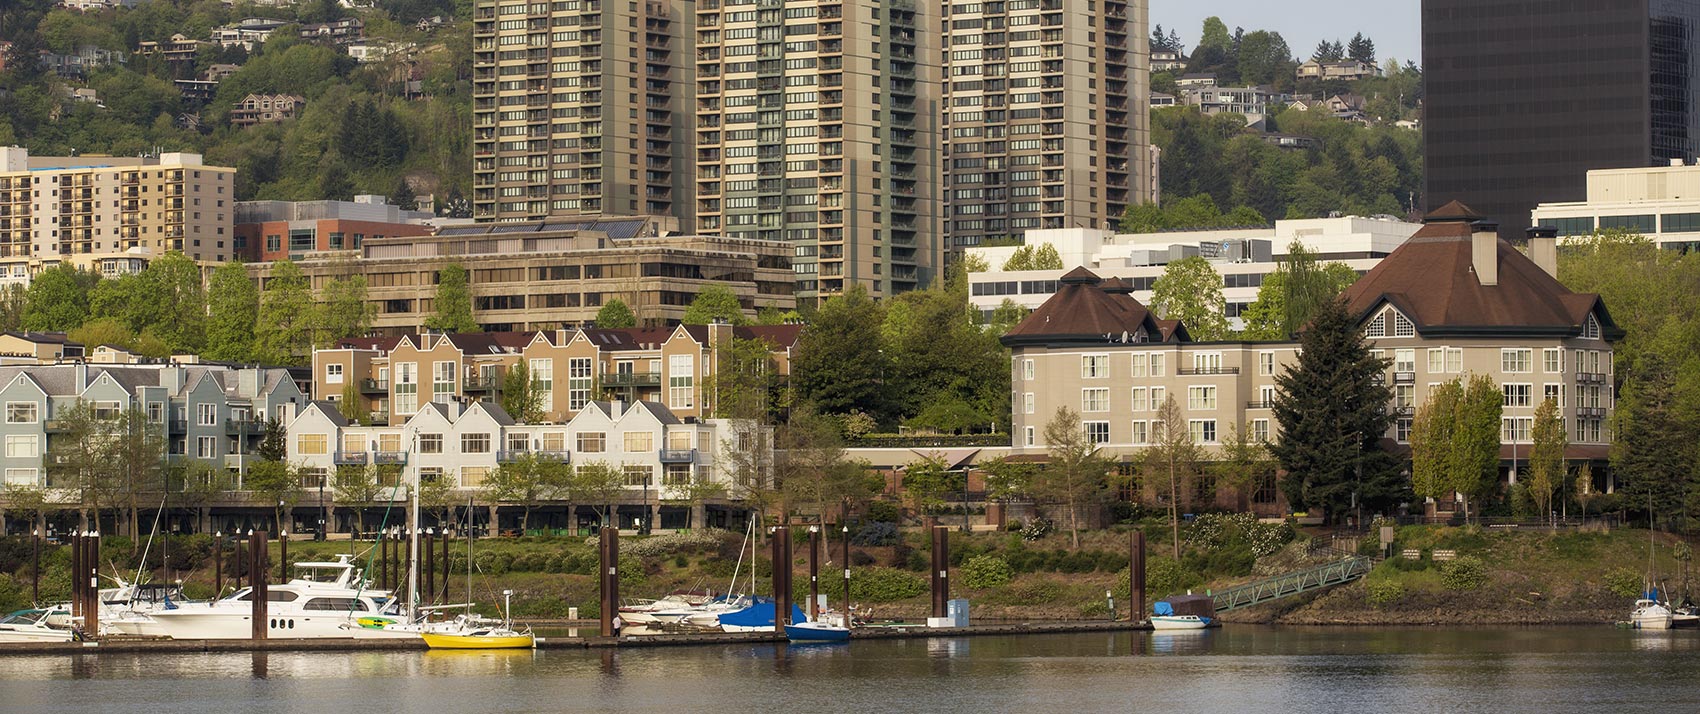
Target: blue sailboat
[[758, 616]]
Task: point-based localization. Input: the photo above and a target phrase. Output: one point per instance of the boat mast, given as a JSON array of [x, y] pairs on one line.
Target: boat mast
[[413, 547], [469, 557]]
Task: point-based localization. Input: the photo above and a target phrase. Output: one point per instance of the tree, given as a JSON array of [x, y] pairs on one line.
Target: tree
[[344, 310], [745, 381], [403, 195], [352, 404], [945, 368], [79, 459], [233, 304], [137, 447], [1432, 432], [14, 301], [1361, 49], [276, 484], [1214, 35], [274, 441], [975, 263], [1173, 454], [1475, 439], [522, 399], [453, 302], [1191, 291], [1327, 51], [1076, 473], [1264, 59], [1291, 294], [1332, 409], [334, 183], [838, 365], [283, 330], [1041, 257], [927, 482], [58, 299], [1546, 461], [528, 481], [599, 483], [615, 314], [1243, 460], [173, 284], [356, 485], [812, 468], [714, 302], [1653, 453]]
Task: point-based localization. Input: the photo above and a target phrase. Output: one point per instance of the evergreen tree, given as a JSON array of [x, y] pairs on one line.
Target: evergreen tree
[[403, 196], [615, 314], [1332, 409], [233, 304], [335, 184], [453, 302], [1327, 51], [1653, 453], [1361, 49]]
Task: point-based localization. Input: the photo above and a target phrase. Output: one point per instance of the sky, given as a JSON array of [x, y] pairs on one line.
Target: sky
[[1393, 24]]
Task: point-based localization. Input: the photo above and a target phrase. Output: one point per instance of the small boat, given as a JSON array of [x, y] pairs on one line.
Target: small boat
[[817, 631], [497, 636], [758, 617], [31, 626], [1650, 615], [1179, 622]]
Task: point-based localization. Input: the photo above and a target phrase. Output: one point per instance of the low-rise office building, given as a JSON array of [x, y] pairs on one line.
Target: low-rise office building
[[1661, 203], [275, 230], [1452, 301]]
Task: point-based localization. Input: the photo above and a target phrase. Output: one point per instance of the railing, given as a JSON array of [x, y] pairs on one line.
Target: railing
[[905, 441], [244, 426], [1196, 371], [1591, 377], [678, 456], [481, 382], [351, 458], [1260, 405], [389, 457], [1404, 377], [374, 385], [1291, 584], [631, 379]]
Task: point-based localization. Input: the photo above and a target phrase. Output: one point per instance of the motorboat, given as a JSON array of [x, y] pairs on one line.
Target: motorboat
[[31, 626], [1649, 614], [321, 603], [1179, 622], [669, 608]]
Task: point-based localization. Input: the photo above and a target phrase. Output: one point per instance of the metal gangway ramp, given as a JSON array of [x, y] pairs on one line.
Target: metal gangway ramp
[[1294, 583]]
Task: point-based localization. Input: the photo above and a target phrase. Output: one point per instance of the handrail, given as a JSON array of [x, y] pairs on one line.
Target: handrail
[[1294, 583]]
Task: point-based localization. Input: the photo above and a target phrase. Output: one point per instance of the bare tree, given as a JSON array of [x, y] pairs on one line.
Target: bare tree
[[1173, 453], [1077, 473]]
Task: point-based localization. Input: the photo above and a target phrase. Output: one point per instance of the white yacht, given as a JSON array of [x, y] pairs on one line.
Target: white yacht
[[1650, 615], [328, 600], [31, 626]]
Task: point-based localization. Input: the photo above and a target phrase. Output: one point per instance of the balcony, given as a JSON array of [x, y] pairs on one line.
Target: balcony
[[1204, 371], [375, 386], [236, 427], [383, 458], [1260, 405], [1590, 378], [179, 426], [483, 382], [1591, 412], [351, 458], [1404, 377], [631, 379], [1404, 411], [678, 456]]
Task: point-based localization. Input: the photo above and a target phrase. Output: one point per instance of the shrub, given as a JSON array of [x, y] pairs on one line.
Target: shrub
[[885, 585], [1623, 582], [681, 561], [1383, 591], [631, 572], [986, 571], [671, 543], [1036, 529], [1269, 538], [1164, 576], [1032, 592], [1465, 573], [878, 533], [883, 511]]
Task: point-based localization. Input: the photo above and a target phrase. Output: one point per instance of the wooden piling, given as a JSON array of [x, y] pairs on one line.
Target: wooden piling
[[446, 567], [283, 556], [941, 571], [35, 568], [776, 553], [91, 591], [76, 575], [1136, 575], [814, 573], [218, 565], [610, 561], [259, 567]]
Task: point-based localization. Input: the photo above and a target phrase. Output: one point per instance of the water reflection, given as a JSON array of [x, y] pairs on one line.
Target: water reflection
[[1231, 669]]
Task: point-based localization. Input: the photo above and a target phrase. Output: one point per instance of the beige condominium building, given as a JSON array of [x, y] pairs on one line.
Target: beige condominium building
[[395, 376], [110, 214], [1451, 302], [817, 125], [1046, 125], [528, 276], [578, 109]]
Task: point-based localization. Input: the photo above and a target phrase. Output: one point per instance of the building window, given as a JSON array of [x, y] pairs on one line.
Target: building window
[[1260, 431], [1517, 395], [1552, 360], [1097, 432], [430, 443], [22, 446], [206, 447], [1026, 369], [638, 474], [206, 415], [1266, 363], [312, 444], [1207, 363], [1095, 400], [1515, 429], [22, 412], [1402, 431], [1200, 398], [110, 410], [1404, 360], [406, 388], [1029, 435], [27, 478], [592, 442], [333, 374], [1553, 393], [475, 443], [442, 381], [639, 442], [1591, 329], [543, 379], [1159, 366], [680, 378], [473, 476], [1203, 430], [1094, 366], [1404, 396], [1141, 365], [1402, 327], [1137, 402], [1027, 403], [1139, 434], [1515, 360], [1377, 326]]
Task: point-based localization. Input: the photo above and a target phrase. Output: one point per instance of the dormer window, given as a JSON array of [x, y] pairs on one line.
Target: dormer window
[[1591, 328], [1377, 327]]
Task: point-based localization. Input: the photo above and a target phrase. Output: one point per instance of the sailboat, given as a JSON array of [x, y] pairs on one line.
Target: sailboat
[[472, 632], [1649, 613]]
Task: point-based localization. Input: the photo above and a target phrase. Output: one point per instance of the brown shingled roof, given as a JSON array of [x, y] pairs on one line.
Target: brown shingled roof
[[1082, 310], [1432, 280]]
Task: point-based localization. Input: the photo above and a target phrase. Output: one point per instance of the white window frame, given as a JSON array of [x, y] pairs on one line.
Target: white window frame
[[23, 446], [1094, 400], [1552, 360], [206, 414], [333, 373], [1089, 426], [1141, 432], [33, 412], [1266, 364], [1095, 366], [1203, 431], [1516, 360]]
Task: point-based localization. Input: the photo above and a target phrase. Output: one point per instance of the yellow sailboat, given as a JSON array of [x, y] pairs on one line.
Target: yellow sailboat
[[492, 638]]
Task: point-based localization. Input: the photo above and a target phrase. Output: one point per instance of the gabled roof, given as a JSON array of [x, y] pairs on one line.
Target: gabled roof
[[1432, 279], [331, 412], [1088, 310], [494, 410]]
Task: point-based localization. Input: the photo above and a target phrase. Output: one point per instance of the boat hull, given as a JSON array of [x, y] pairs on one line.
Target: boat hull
[[29, 634], [816, 632], [1178, 622], [441, 641], [230, 623]]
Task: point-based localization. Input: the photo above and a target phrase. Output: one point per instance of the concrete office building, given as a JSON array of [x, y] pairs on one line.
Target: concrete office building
[[275, 230], [1047, 127], [110, 214], [1242, 256], [1522, 99], [1661, 203], [578, 109]]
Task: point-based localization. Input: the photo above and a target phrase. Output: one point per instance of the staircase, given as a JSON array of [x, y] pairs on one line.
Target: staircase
[[1294, 583]]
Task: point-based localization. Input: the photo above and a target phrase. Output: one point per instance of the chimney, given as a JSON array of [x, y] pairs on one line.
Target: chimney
[[81, 370], [616, 407], [1543, 248], [1484, 251]]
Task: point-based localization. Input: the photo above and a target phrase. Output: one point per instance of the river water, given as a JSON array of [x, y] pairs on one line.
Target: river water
[[1235, 669]]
